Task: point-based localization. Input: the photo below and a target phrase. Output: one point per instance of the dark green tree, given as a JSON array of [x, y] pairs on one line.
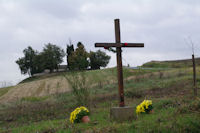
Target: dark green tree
[[38, 63], [70, 50], [52, 56], [98, 59], [79, 58], [22, 65], [26, 63]]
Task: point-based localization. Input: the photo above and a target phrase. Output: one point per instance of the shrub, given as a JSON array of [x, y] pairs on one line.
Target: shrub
[[78, 113], [80, 89], [144, 107]]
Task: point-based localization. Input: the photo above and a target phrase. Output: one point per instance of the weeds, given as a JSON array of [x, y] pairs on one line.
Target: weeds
[[80, 88], [161, 74], [34, 99]]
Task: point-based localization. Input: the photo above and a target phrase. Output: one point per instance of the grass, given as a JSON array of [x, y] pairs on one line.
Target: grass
[[4, 90], [164, 119], [175, 108], [171, 64], [45, 126], [35, 78], [33, 99], [108, 75]]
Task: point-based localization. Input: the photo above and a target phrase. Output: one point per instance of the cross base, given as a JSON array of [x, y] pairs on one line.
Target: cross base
[[122, 113]]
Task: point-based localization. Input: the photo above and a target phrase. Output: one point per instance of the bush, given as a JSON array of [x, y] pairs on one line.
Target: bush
[[80, 89]]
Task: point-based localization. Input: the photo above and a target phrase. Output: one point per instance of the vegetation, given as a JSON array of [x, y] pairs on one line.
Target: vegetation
[[4, 90], [33, 99], [70, 50], [98, 59], [35, 62], [80, 89], [78, 58], [26, 63], [78, 114], [171, 64], [52, 56], [175, 109]]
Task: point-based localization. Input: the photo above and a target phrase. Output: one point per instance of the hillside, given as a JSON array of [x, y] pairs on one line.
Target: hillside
[[171, 64], [37, 88], [47, 109], [55, 83]]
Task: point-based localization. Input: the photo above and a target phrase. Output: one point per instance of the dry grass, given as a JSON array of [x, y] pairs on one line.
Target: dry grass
[[39, 88]]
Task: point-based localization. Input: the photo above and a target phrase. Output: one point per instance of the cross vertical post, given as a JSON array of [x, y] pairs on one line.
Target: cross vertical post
[[119, 64]]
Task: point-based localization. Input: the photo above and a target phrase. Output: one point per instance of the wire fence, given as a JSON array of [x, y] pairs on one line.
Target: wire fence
[[5, 84]]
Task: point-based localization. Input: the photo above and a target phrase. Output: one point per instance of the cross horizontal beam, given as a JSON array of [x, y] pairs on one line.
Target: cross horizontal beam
[[119, 44]]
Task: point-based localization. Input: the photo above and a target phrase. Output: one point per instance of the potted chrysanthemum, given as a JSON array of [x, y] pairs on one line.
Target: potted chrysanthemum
[[80, 114], [145, 107]]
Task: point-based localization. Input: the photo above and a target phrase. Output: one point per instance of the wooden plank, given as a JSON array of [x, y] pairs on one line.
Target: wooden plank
[[119, 44]]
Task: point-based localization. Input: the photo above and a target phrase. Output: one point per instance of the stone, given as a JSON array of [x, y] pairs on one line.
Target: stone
[[122, 113]]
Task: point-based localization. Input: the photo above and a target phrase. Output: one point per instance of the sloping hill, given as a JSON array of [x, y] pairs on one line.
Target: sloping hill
[[56, 83], [171, 64], [37, 88]]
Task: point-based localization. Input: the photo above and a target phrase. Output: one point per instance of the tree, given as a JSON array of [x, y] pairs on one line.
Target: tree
[[78, 58], [38, 63], [26, 63], [98, 59], [53, 56], [70, 50], [22, 66]]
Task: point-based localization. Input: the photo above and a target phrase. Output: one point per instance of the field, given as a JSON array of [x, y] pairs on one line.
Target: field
[[171, 90]]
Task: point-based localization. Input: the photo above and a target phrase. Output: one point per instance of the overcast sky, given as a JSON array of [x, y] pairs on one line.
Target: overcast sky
[[161, 25]]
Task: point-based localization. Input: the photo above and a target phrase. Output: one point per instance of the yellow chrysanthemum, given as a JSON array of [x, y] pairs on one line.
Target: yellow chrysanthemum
[[84, 108], [144, 105], [140, 109], [73, 115]]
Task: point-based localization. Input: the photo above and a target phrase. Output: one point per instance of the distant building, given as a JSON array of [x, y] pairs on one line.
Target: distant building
[[61, 68]]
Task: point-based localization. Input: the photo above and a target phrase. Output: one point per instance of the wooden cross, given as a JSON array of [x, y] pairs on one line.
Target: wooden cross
[[118, 46]]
